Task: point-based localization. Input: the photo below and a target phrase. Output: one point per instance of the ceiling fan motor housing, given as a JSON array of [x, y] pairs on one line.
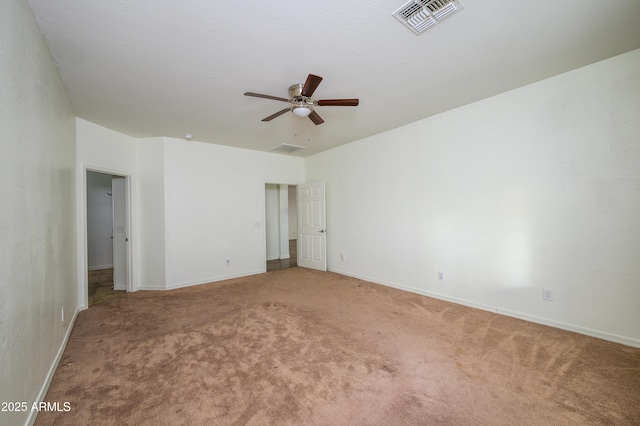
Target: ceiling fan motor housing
[[295, 94], [302, 104]]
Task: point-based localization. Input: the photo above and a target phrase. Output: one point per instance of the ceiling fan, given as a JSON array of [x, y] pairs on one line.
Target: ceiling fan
[[300, 98]]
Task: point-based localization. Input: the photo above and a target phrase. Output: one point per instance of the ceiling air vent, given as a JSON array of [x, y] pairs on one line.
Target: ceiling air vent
[[420, 15], [285, 147]]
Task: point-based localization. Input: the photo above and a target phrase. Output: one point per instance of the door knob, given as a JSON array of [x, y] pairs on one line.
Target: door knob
[[322, 231]]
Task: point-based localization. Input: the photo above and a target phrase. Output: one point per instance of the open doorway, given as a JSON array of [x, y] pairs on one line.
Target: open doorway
[[107, 260], [281, 226]]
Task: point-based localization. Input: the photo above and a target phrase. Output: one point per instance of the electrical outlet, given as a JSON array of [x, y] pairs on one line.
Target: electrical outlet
[[440, 276], [228, 262], [341, 257], [547, 294]]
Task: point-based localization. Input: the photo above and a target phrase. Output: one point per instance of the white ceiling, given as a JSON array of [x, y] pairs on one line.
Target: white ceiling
[[165, 68]]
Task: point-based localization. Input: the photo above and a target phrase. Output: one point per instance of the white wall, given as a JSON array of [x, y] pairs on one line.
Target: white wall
[[151, 223], [215, 209], [277, 221], [194, 205], [283, 212], [37, 213], [535, 188], [106, 151], [99, 221], [272, 221], [293, 213]]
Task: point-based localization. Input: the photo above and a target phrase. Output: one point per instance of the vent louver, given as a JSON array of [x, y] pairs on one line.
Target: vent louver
[[285, 147], [420, 15]]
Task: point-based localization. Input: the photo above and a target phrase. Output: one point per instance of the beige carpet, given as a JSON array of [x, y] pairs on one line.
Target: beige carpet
[[301, 347]]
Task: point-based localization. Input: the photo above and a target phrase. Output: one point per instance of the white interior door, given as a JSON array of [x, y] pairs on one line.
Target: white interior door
[[312, 231], [119, 191]]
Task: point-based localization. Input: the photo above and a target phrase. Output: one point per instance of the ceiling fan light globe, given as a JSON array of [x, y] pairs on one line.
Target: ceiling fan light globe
[[302, 111]]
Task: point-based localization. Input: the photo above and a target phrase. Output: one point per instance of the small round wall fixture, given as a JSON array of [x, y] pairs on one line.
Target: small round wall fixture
[[188, 136]]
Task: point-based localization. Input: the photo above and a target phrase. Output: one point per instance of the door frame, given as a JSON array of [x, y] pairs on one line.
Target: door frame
[[264, 215], [118, 206], [83, 260]]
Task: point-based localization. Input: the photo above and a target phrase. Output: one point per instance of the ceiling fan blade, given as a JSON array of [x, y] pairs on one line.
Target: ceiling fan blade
[[259, 95], [277, 114], [310, 86], [338, 102], [315, 118]]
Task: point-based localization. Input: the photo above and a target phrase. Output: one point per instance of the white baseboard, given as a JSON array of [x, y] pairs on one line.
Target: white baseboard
[[285, 256], [420, 291], [52, 370], [150, 288], [531, 318], [97, 268], [210, 280], [574, 328]]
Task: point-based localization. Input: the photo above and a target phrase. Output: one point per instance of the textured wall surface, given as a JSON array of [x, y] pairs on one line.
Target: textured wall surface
[[37, 213]]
